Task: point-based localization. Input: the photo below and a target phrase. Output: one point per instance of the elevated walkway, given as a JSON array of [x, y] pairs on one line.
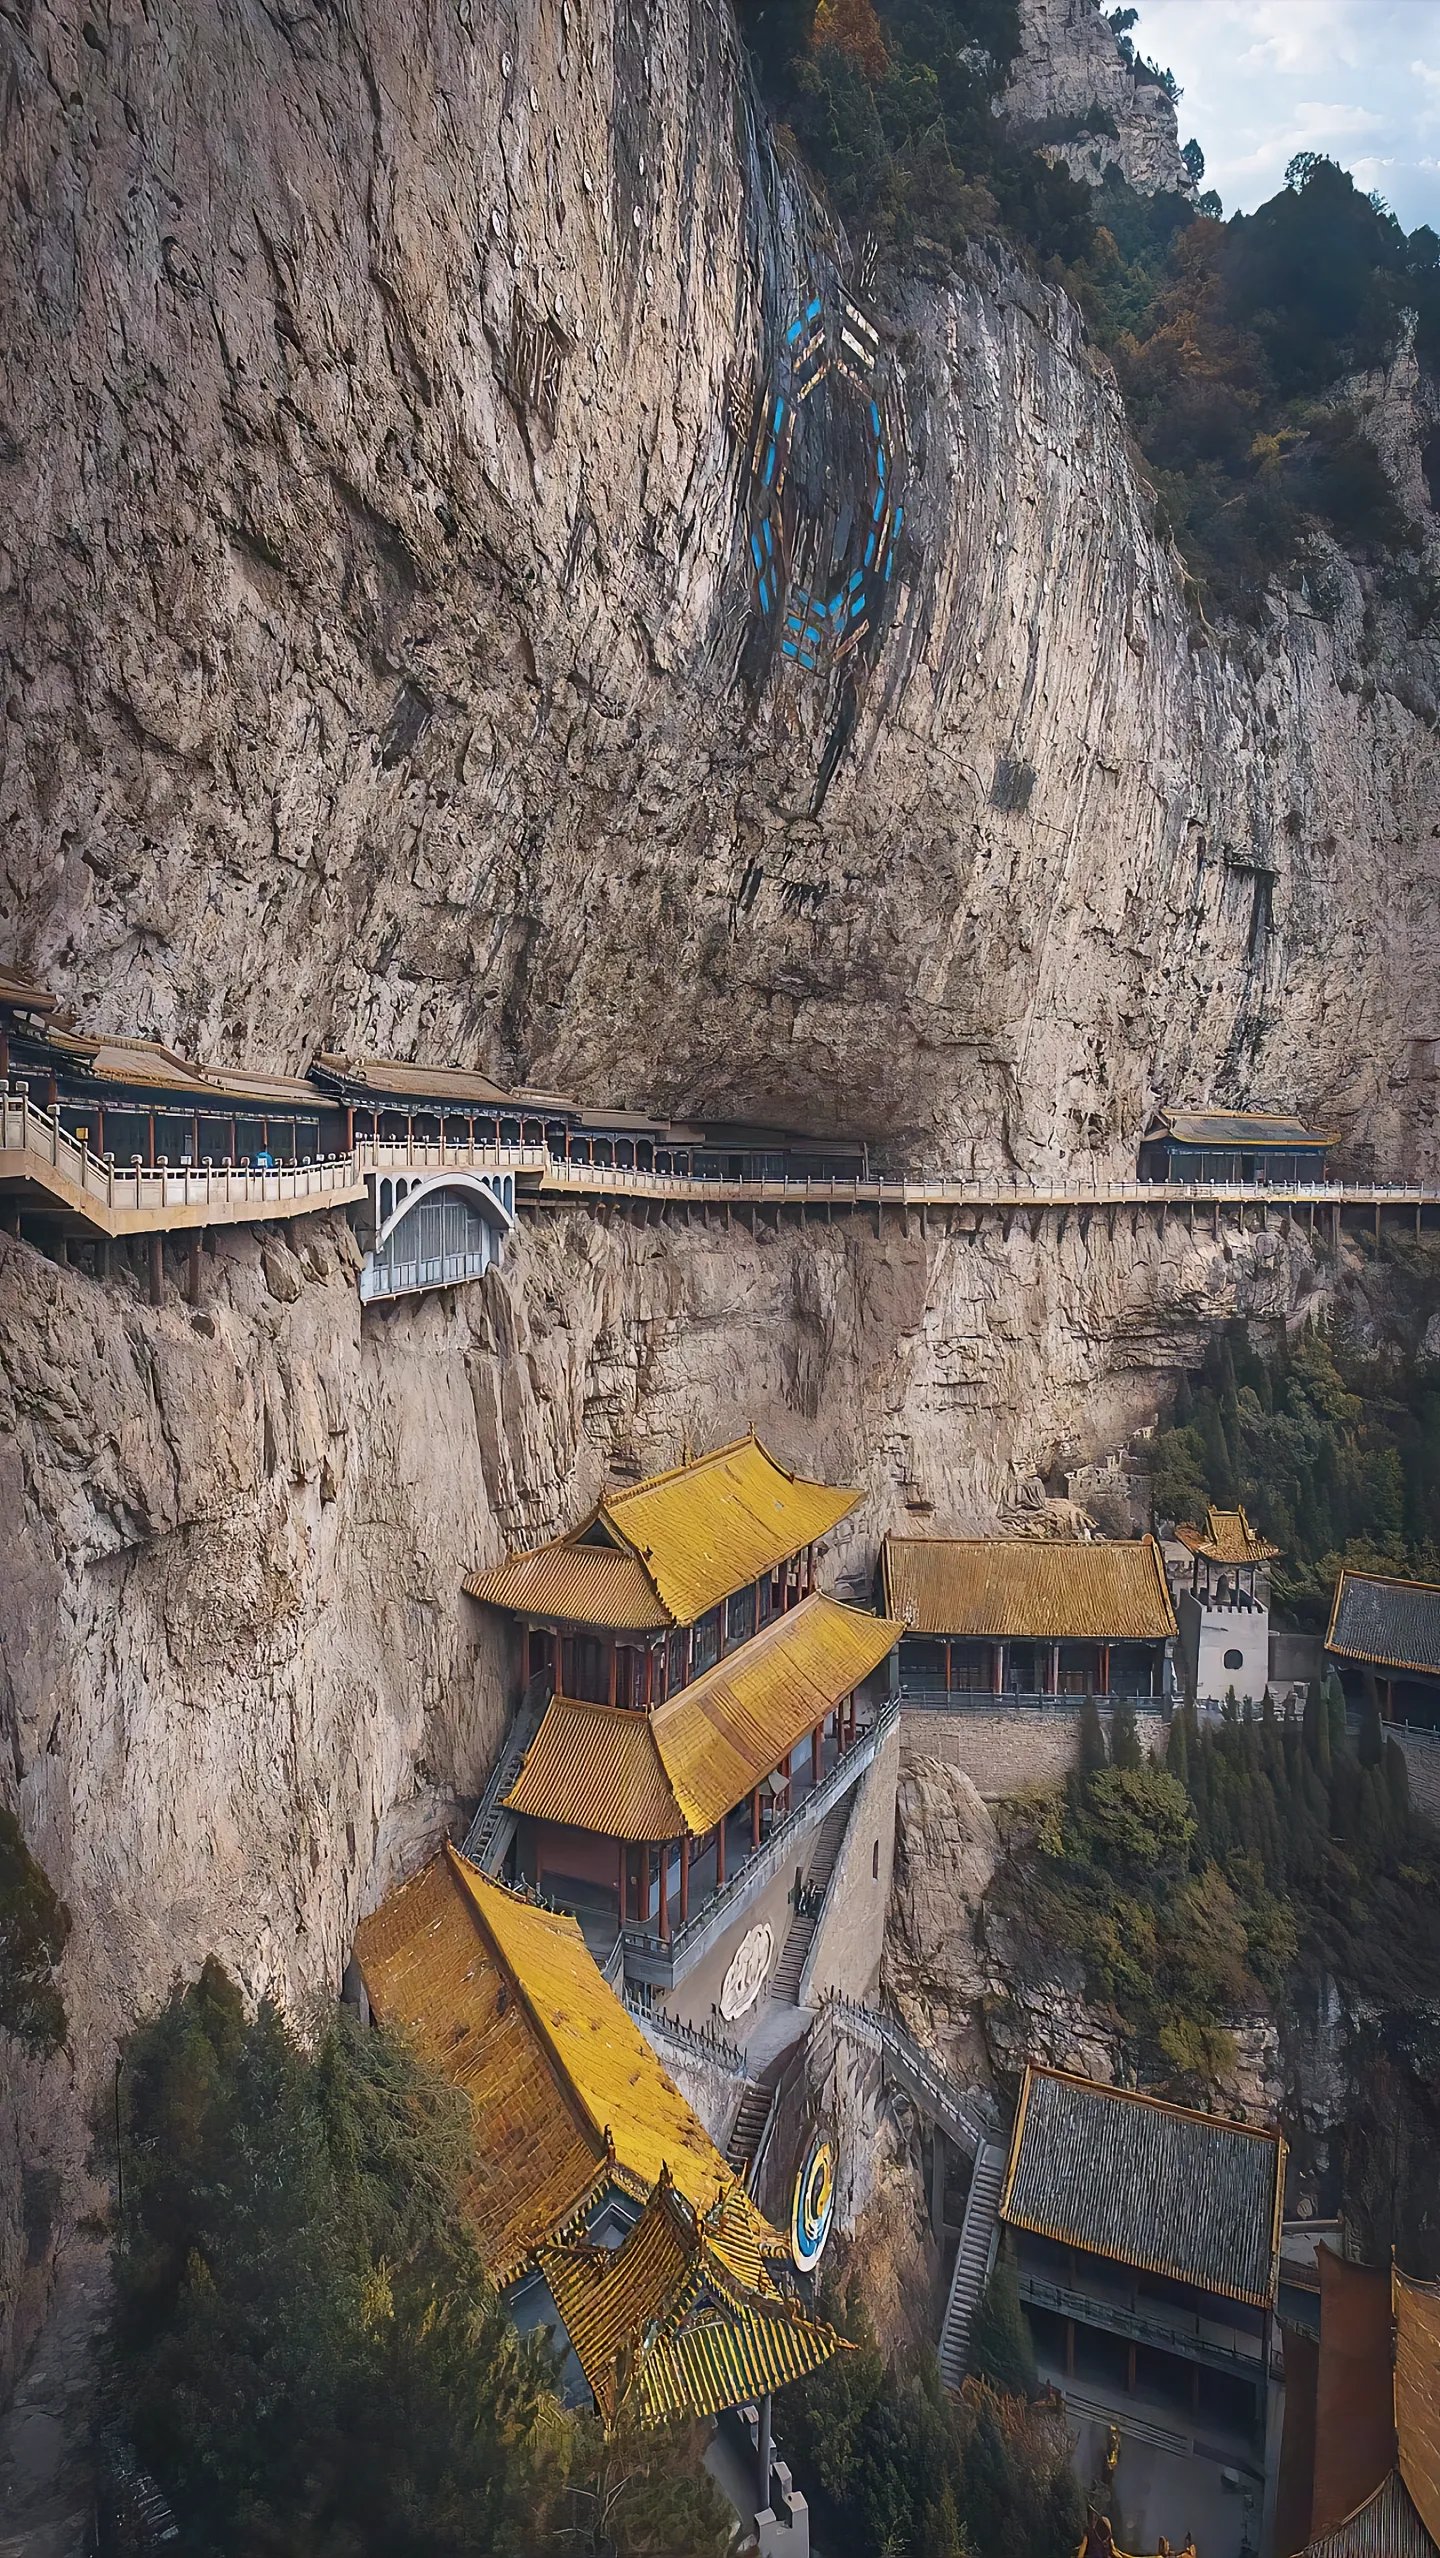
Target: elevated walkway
[[56, 1180], [964, 2114]]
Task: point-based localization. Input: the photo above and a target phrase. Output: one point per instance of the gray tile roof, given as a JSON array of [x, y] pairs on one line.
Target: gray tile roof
[[1393, 1623], [1386, 2527], [1147, 2184]]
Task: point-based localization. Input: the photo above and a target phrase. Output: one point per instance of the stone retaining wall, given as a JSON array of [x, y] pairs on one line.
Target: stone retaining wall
[[1006, 1749]]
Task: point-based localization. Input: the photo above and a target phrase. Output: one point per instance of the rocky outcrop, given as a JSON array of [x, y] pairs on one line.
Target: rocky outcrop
[[946, 1851], [1072, 90], [388, 664]]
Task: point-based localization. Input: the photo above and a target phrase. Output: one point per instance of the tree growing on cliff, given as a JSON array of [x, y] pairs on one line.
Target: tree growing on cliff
[[1000, 2344], [34, 1924]]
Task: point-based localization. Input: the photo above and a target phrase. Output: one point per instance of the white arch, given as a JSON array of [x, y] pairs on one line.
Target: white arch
[[477, 1187]]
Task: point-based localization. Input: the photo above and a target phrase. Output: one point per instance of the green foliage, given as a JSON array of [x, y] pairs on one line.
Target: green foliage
[[1259, 1863], [894, 108], [308, 2354], [1000, 2346], [1334, 1449], [34, 1924], [1125, 1750], [894, 2464]]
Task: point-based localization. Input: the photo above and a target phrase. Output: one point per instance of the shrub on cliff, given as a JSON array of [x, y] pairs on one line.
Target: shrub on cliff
[[34, 1924], [1000, 2346]]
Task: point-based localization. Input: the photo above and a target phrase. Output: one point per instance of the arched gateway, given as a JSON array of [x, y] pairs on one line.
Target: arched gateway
[[432, 1230]]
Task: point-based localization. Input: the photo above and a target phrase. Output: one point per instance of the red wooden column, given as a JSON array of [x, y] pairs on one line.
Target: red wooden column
[[684, 1878], [664, 1856], [755, 1818]]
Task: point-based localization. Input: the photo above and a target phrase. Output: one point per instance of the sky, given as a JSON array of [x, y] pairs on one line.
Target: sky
[[1263, 79]]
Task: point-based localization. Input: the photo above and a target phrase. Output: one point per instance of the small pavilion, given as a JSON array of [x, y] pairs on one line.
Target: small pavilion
[[695, 1685]]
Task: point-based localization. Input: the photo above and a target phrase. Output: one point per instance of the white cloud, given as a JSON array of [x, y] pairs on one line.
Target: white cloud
[[1358, 79]]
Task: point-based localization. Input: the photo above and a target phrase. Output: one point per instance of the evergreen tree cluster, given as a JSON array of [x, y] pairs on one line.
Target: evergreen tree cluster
[[307, 2354], [1266, 1856], [1334, 1452], [895, 2467]]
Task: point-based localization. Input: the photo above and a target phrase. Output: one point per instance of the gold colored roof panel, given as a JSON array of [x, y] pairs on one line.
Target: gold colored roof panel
[[723, 1734], [598, 2052], [705, 1529], [1227, 1537], [998, 1589], [576, 1584], [596, 1767], [654, 1776], [1417, 2395], [429, 1970]]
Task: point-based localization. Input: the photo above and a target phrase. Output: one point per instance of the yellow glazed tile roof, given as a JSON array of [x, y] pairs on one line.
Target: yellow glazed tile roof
[[667, 2322], [1227, 1537], [720, 1736], [694, 1757], [698, 1532], [432, 1970], [596, 1767], [579, 1584], [1417, 2395], [568, 2096], [989, 1587]]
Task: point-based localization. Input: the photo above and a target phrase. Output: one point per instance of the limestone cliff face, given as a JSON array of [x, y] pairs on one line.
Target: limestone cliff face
[[382, 412], [1068, 74], [239, 1682]]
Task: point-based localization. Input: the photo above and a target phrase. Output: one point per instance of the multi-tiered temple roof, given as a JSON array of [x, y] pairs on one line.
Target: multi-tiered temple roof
[[683, 2316], [568, 2096], [573, 2118], [677, 1769], [662, 1552], [1227, 1537]]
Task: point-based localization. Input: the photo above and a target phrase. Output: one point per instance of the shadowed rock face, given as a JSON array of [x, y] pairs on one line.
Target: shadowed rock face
[[381, 405]]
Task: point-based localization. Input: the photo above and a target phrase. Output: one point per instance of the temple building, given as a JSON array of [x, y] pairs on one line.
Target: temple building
[[600, 2205], [1025, 1619], [691, 1714], [1224, 1613], [1360, 2465], [1232, 1146], [1384, 1638], [1147, 2243]]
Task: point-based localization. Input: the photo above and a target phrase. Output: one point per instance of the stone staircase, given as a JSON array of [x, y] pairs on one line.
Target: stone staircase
[[489, 1833], [748, 2128], [972, 2261], [785, 1979]]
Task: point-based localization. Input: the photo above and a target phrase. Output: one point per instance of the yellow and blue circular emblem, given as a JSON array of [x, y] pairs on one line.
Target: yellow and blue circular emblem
[[814, 2206]]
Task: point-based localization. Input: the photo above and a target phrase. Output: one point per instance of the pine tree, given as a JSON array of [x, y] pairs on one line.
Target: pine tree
[[1093, 1753], [1397, 1777], [1370, 1750], [1177, 1747], [1125, 1750], [1317, 1732], [1335, 1712], [1000, 2344]]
